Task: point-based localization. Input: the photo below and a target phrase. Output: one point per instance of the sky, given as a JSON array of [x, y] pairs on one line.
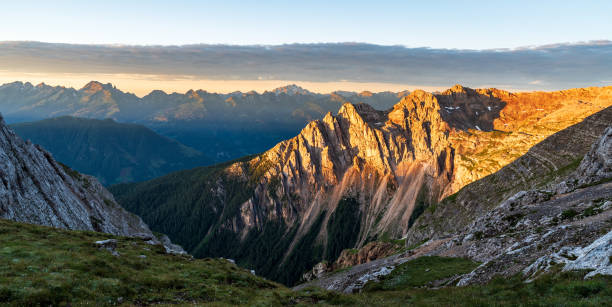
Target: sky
[[437, 25]]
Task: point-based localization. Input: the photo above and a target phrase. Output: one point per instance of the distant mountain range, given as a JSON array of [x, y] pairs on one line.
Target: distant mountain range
[[363, 175], [113, 152], [222, 126]]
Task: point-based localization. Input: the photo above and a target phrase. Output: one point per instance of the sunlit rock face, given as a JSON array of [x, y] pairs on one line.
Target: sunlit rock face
[[35, 189], [427, 146], [495, 127], [381, 158]]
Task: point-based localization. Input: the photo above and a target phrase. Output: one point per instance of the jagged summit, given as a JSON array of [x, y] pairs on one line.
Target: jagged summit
[[18, 84], [457, 88], [95, 86], [291, 89]]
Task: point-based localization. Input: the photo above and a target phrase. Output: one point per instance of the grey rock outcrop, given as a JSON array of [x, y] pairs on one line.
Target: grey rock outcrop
[[36, 189], [597, 164], [594, 257]]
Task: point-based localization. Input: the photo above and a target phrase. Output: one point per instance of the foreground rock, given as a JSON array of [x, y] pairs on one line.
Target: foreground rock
[[352, 257]]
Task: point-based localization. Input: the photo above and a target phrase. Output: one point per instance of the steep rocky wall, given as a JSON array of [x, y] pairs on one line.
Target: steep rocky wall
[[380, 158], [35, 189]]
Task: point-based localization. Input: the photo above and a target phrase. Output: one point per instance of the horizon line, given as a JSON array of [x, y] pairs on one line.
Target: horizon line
[[346, 43]]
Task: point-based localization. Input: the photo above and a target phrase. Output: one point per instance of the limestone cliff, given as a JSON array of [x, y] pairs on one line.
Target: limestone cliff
[[381, 158]]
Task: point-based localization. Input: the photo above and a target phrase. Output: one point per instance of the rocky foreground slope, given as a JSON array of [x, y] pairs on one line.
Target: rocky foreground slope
[[38, 190], [354, 177]]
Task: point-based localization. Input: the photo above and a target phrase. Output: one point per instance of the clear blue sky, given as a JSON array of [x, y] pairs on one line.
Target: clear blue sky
[[438, 24]]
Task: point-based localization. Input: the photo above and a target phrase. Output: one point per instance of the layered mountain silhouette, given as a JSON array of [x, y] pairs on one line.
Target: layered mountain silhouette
[[222, 126], [113, 152], [354, 177]]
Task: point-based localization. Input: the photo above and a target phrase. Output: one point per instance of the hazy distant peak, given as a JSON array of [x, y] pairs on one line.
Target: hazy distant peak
[[156, 93], [95, 86], [345, 94], [234, 94], [403, 94], [291, 89], [18, 84]]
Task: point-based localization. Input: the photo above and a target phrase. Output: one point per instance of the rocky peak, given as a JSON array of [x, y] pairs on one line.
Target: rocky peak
[[457, 88], [94, 86], [291, 89], [381, 157]]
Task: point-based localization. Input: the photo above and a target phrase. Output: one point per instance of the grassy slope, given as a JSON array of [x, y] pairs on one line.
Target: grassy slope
[[561, 289], [42, 265]]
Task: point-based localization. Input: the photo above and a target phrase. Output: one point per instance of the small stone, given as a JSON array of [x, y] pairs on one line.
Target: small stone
[[109, 244], [142, 256], [151, 242]]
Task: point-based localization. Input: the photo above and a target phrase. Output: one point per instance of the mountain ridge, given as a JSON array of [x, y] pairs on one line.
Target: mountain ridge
[[380, 165], [249, 122]]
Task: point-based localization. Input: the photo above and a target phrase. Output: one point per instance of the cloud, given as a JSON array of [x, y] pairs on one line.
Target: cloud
[[561, 65]]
